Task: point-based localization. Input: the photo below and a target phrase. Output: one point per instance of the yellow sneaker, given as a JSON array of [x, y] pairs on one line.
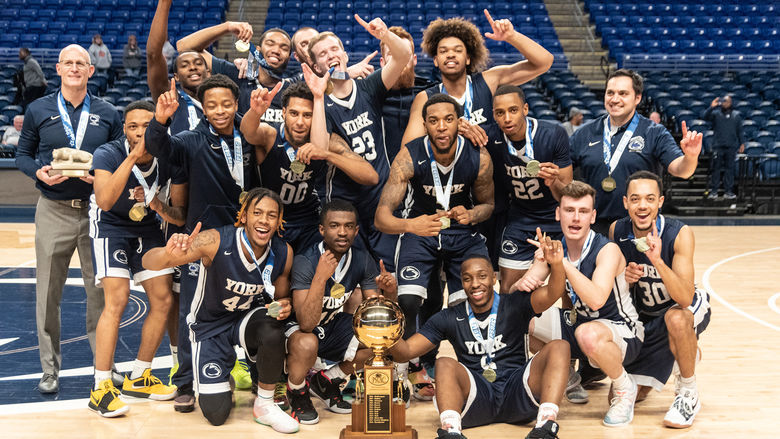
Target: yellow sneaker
[[241, 375], [172, 373], [148, 386], [105, 401]]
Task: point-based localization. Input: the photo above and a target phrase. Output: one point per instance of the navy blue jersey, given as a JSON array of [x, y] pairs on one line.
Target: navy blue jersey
[[187, 116], [213, 193], [232, 285], [358, 120], [514, 314], [358, 269], [297, 191], [481, 97], [395, 117], [650, 295], [531, 202], [116, 221], [618, 306], [651, 148], [421, 198], [43, 132]]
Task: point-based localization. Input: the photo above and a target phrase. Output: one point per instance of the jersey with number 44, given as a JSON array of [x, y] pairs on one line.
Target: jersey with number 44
[[358, 120]]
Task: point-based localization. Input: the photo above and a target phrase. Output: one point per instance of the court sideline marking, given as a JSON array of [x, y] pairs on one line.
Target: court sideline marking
[[705, 279]]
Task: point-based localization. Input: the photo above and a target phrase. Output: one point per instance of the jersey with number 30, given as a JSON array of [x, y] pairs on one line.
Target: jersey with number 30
[[650, 295], [232, 285], [358, 120]]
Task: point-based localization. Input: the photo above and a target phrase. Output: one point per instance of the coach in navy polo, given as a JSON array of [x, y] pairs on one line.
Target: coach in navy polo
[[605, 151], [70, 117]]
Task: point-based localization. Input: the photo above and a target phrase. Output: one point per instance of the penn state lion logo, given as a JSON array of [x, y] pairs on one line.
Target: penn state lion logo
[[120, 256], [410, 273], [636, 144], [509, 247], [211, 370]]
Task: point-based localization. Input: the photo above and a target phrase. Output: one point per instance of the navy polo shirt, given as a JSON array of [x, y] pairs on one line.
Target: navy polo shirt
[[651, 148], [43, 132]]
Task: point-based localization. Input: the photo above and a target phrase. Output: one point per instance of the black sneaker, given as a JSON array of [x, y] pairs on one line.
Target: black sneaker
[[549, 430], [301, 407], [329, 392], [443, 434]]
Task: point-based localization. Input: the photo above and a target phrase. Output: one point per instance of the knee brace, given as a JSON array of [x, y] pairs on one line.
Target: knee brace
[[216, 407]]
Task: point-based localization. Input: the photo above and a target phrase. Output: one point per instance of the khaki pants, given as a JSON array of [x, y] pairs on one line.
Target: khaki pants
[[60, 229]]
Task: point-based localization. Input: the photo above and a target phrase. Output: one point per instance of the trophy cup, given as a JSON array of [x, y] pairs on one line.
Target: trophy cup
[[70, 162], [378, 324]]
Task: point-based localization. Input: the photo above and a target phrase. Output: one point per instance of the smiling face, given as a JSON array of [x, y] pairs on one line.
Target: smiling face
[[620, 99], [276, 49], [478, 281], [451, 57], [219, 107], [510, 112], [441, 124], [191, 70], [328, 53], [297, 120], [643, 200], [74, 67], [261, 221], [338, 230], [576, 216]]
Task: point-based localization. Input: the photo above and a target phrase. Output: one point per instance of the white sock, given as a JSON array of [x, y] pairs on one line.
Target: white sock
[[450, 421], [688, 383], [100, 376], [265, 395], [174, 355], [240, 354], [139, 367], [296, 386], [623, 382], [335, 372], [547, 411]]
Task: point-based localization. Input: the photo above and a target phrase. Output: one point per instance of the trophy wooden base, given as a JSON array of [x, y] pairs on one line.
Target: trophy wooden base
[[399, 427], [70, 172]]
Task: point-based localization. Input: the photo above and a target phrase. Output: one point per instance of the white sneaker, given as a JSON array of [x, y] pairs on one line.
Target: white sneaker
[[621, 408], [267, 413], [684, 408], [575, 393]]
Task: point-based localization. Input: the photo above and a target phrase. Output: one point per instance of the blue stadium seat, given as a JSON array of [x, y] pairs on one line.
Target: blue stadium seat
[[765, 138], [770, 169]]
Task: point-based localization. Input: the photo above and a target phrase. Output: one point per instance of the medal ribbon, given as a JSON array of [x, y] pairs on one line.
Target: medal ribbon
[[341, 269], [236, 162], [269, 263], [149, 193], [76, 139], [477, 333], [442, 196], [255, 55], [193, 117], [468, 102], [585, 251], [611, 160], [529, 140], [660, 221]]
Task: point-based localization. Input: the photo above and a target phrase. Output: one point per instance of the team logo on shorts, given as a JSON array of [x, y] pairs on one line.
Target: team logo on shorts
[[508, 247], [410, 273], [193, 268], [636, 144], [211, 370], [120, 256]]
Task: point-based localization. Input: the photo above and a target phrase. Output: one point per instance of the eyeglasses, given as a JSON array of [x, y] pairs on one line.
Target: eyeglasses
[[69, 64]]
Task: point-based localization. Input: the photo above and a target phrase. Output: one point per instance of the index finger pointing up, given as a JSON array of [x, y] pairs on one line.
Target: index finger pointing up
[[173, 85], [361, 21], [490, 19]]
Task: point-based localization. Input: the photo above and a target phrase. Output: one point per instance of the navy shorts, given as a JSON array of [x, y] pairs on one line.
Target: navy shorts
[[301, 237], [655, 360], [508, 399], [121, 257], [418, 255], [516, 253], [336, 339]]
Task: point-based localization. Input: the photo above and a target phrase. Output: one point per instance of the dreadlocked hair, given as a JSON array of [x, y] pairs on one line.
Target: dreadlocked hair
[[463, 30], [255, 195]]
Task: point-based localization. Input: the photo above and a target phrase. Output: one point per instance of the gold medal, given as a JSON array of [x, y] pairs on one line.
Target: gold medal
[[532, 168], [641, 244], [274, 308], [242, 197], [137, 212], [337, 291], [608, 184], [242, 46], [297, 167], [445, 222], [489, 375]]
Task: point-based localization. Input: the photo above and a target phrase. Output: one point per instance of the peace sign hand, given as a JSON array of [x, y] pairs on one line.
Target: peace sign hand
[[317, 84]]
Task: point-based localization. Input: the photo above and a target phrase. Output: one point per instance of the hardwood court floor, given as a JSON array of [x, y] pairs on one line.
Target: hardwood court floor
[[738, 377]]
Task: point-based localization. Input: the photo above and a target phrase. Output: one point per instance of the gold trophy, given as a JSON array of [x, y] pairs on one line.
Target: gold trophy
[[70, 162], [378, 324]]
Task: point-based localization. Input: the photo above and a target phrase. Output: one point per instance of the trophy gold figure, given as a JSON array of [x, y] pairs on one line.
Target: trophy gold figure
[[378, 324]]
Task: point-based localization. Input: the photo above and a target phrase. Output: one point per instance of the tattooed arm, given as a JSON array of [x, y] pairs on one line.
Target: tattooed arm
[[183, 249], [176, 213], [483, 189]]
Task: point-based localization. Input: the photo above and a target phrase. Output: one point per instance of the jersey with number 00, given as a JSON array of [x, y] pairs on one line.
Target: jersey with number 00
[[358, 120], [531, 203], [650, 295], [232, 285], [297, 191]]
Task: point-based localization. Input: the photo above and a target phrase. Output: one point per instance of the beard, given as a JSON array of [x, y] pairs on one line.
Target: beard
[[406, 80]]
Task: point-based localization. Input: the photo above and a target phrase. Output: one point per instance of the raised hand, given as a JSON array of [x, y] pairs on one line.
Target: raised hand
[[363, 68], [654, 241], [317, 84], [634, 272], [179, 243], [242, 31], [327, 264], [502, 28], [261, 98], [385, 281], [377, 28], [167, 104], [242, 64], [691, 141]]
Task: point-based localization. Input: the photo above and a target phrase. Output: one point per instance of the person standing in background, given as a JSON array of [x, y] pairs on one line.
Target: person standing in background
[[131, 58], [727, 140]]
